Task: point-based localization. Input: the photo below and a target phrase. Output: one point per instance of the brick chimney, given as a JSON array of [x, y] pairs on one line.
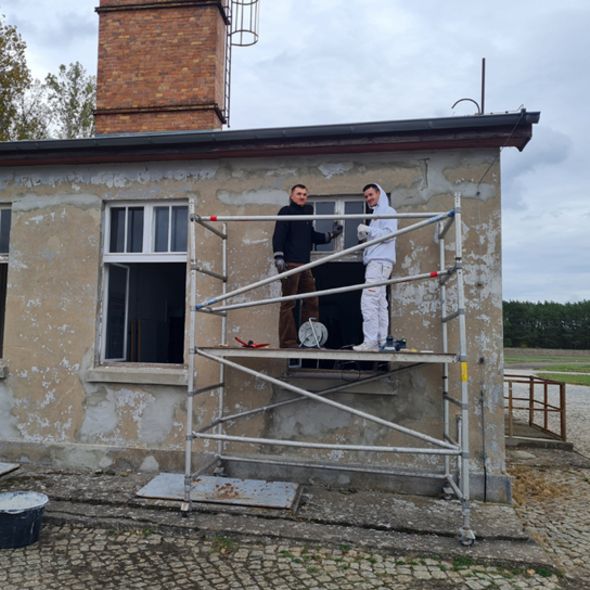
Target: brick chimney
[[161, 65]]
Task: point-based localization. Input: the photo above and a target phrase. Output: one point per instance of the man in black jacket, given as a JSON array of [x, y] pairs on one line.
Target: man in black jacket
[[292, 242]]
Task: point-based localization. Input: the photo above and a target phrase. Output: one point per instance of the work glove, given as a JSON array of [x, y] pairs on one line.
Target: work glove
[[337, 229], [362, 232], [280, 264]]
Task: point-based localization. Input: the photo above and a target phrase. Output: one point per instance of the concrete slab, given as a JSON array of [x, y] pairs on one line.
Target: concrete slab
[[6, 468], [224, 490]]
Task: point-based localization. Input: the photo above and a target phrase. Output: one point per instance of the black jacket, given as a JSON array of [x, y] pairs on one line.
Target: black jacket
[[293, 240]]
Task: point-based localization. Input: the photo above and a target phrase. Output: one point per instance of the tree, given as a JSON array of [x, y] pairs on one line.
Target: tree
[[33, 114], [547, 324], [71, 98], [15, 79]]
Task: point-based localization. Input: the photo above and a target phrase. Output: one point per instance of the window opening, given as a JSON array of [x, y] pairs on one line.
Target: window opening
[[145, 276]]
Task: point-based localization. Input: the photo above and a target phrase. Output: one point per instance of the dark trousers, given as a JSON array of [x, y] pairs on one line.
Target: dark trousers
[[302, 282]]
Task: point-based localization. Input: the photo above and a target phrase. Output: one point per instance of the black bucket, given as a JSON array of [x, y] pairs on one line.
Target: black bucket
[[20, 518]]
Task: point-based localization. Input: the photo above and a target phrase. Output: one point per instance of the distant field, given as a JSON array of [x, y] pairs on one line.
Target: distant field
[[563, 358], [564, 361], [573, 379]]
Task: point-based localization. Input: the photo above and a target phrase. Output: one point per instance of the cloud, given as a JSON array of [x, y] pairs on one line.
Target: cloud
[[521, 171], [370, 60]]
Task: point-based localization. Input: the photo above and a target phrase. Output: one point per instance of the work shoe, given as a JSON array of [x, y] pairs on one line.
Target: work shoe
[[366, 347]]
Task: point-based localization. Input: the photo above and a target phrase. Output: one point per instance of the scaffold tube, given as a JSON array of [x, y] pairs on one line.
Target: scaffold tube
[[313, 217], [348, 288], [318, 445], [325, 259], [329, 402]]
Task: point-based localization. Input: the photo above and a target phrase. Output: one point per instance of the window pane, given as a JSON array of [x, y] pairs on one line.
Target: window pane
[[3, 285], [117, 238], [5, 217], [350, 225], [324, 225], [135, 229], [161, 224], [116, 303], [179, 228]]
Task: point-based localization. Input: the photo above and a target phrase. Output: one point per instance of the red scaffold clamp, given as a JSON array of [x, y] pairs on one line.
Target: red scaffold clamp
[[251, 343]]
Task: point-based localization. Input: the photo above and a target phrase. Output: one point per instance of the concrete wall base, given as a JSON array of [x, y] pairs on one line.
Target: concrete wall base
[[493, 488], [92, 457]]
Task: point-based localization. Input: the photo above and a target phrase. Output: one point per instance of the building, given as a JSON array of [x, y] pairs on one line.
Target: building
[[93, 235]]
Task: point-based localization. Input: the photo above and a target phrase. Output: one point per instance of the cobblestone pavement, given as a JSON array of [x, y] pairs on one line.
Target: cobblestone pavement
[[552, 491], [72, 557]]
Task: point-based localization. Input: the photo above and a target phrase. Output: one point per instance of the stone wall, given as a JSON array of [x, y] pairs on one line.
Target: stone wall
[[58, 393]]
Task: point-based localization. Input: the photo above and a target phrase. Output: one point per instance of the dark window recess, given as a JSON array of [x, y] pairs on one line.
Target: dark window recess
[[340, 312], [324, 225], [155, 313], [135, 229], [117, 241], [179, 228], [350, 225], [5, 218], [117, 300], [162, 224], [3, 284]]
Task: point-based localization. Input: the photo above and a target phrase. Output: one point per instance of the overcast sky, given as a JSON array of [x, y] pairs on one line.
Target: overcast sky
[[338, 61]]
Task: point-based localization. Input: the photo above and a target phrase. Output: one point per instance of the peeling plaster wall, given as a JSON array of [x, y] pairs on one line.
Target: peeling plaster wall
[[53, 305]]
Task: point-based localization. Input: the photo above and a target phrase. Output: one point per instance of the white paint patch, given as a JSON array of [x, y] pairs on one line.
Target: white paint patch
[[149, 465], [34, 202], [100, 418], [7, 428], [105, 462], [249, 242], [330, 170], [156, 419], [258, 197]]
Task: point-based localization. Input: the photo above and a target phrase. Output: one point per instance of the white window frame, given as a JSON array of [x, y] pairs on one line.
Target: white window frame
[[123, 258], [149, 219], [103, 347], [339, 209]]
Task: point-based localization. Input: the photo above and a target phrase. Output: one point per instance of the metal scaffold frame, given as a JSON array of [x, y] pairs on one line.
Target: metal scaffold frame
[[454, 449]]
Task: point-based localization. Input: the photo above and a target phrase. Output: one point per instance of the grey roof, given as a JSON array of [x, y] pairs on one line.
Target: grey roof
[[493, 129]]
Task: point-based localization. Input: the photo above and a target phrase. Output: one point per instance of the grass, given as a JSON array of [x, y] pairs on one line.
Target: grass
[[565, 361], [513, 356], [462, 562], [571, 379], [570, 368], [223, 545]]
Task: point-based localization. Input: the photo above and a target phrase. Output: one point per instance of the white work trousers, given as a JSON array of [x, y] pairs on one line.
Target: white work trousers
[[374, 302]]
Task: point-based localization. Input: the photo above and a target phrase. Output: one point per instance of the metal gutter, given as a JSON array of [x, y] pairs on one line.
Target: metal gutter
[[437, 133]]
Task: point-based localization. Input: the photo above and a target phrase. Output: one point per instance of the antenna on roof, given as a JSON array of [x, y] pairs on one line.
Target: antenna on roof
[[244, 22], [481, 105]]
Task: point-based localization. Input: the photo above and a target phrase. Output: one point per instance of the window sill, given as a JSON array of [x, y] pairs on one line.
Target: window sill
[[139, 374], [3, 368]]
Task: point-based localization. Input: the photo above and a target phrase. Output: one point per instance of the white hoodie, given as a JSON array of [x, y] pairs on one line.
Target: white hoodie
[[379, 227]]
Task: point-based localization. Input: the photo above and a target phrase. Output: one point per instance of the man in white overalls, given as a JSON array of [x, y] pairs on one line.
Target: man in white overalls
[[379, 260]]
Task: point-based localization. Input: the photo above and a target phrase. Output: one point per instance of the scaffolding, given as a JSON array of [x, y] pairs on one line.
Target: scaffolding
[[454, 448]]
